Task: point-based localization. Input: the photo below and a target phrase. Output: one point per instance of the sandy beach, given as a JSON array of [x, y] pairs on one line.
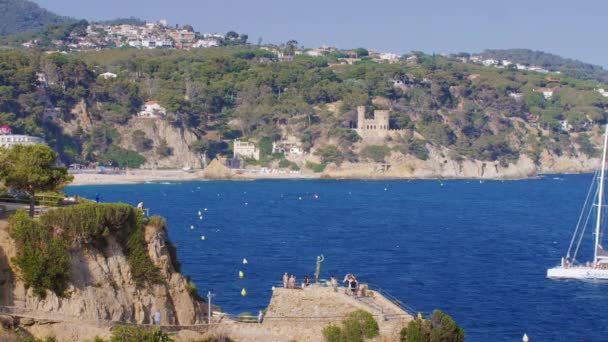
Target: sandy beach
[[144, 176]]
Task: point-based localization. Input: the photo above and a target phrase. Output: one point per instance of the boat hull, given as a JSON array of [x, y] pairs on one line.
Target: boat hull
[[588, 273]]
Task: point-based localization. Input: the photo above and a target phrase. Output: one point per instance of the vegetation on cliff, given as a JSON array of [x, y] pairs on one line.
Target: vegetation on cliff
[[44, 244], [357, 326], [439, 327], [569, 67], [30, 169], [474, 112]]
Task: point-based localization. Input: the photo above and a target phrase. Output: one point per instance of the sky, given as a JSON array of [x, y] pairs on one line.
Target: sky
[[573, 29]]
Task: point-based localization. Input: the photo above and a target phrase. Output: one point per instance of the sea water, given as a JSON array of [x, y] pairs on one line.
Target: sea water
[[476, 250]]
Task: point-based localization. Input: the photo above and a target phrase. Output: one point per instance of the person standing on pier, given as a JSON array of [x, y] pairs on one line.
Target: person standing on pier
[[285, 280]]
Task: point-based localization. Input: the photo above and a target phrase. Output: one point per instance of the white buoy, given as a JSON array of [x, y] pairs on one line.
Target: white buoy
[[203, 237], [200, 217], [273, 288], [300, 198], [525, 338], [385, 189], [245, 262], [199, 213], [205, 209], [191, 226]]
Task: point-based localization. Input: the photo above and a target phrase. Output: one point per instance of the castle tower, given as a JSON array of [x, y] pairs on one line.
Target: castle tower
[[381, 117], [360, 117]]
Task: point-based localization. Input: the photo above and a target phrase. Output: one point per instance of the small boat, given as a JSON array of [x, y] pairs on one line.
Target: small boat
[[570, 267], [186, 169]]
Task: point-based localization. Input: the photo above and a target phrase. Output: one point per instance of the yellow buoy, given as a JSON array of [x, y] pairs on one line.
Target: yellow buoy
[[241, 275], [203, 237], [243, 292]]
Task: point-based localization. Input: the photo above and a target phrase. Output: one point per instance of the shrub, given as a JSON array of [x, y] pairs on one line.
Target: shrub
[[330, 154], [118, 156], [444, 328], [440, 327], [316, 168], [193, 292], [360, 323], [357, 326], [377, 153], [332, 333], [418, 148], [41, 257], [133, 334], [163, 149], [141, 142], [586, 146]]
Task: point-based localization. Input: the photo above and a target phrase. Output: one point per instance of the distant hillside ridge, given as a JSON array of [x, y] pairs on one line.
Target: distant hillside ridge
[[569, 67], [18, 16]]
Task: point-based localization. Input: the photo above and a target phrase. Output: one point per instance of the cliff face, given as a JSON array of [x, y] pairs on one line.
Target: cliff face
[[178, 140], [102, 288], [438, 166]]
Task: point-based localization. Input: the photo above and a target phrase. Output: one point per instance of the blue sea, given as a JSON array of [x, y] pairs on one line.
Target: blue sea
[[476, 250]]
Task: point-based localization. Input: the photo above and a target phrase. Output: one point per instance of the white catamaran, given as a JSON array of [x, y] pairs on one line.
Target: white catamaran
[[570, 268]]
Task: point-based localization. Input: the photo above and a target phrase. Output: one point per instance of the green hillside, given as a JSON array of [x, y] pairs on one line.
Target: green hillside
[[464, 110], [567, 66]]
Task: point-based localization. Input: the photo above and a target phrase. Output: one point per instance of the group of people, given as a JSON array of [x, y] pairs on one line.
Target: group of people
[[289, 282], [351, 283]]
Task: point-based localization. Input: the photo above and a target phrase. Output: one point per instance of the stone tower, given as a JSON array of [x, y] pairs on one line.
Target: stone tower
[[360, 117]]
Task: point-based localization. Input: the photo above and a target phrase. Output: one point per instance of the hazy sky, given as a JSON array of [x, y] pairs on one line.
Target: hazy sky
[[574, 29]]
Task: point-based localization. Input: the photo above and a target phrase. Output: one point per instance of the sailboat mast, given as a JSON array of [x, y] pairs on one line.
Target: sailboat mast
[[600, 199]]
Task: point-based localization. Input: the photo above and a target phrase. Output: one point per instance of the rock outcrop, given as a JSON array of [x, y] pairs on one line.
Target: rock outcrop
[[102, 289]]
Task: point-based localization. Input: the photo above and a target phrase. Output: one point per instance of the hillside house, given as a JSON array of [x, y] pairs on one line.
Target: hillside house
[[245, 149], [7, 139], [547, 92], [603, 92], [153, 110], [289, 146], [108, 75]]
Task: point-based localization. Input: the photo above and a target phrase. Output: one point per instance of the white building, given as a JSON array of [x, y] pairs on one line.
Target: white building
[[389, 57], [516, 96], [245, 149], [547, 92], [108, 75], [288, 146], [153, 110], [7, 139], [489, 62], [314, 53], [206, 43]]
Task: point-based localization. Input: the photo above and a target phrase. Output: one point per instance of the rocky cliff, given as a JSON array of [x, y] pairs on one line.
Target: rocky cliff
[[102, 288]]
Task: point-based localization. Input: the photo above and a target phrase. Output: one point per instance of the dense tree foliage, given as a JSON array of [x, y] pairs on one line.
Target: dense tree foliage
[[31, 169], [43, 245], [232, 92], [567, 66], [438, 328]]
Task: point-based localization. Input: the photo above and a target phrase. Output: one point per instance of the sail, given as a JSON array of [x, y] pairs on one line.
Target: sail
[[601, 253]]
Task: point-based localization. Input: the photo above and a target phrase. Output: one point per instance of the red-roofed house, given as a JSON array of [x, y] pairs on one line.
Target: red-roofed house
[[152, 109], [5, 129]]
